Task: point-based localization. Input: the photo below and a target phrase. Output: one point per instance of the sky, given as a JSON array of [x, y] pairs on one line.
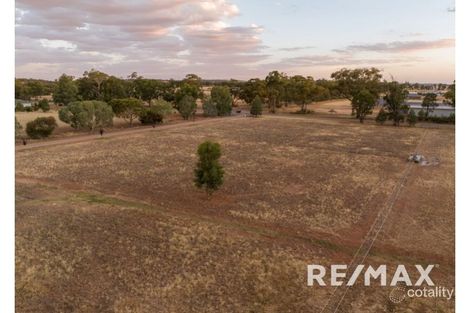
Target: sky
[[220, 39]]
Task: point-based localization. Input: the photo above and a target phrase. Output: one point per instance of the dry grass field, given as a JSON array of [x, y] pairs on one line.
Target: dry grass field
[[116, 225]]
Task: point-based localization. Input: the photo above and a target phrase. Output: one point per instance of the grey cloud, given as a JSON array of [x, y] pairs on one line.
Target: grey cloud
[[401, 46], [290, 49]]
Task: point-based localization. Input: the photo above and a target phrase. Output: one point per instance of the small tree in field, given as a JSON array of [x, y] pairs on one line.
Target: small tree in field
[[209, 174], [41, 127], [256, 108]]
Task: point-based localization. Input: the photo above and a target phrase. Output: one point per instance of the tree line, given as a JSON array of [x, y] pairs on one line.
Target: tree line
[[91, 101]]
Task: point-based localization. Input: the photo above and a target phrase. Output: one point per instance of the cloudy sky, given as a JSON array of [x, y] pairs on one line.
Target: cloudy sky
[[409, 40]]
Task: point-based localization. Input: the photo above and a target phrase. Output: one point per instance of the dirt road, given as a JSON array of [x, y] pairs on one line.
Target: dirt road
[[91, 137]]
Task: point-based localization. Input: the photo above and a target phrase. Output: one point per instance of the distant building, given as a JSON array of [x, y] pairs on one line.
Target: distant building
[[25, 103], [443, 110]]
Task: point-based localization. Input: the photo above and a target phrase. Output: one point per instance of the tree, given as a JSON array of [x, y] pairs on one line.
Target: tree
[[156, 113], [256, 108], [22, 90], [412, 118], [252, 88], [187, 107], [363, 103], [381, 117], [150, 116], [220, 96], [275, 83], [186, 89], [235, 90], [43, 104], [209, 173], [35, 88], [41, 127], [65, 91], [193, 79], [146, 89], [96, 78], [87, 114], [301, 91], [127, 109], [429, 103], [162, 106], [209, 108], [350, 82], [395, 102], [114, 88], [18, 128], [450, 95]]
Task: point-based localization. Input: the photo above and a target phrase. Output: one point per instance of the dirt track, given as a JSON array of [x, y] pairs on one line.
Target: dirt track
[[114, 134]]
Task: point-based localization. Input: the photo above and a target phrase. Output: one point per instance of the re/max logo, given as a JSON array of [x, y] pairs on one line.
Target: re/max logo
[[338, 272]]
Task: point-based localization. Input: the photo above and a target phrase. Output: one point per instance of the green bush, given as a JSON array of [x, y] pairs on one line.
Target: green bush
[[19, 107], [18, 128], [41, 127], [209, 174], [87, 114], [209, 108], [412, 118], [421, 115], [221, 97], [43, 104], [187, 107], [156, 113], [256, 107], [381, 117], [128, 109], [150, 116], [442, 119], [163, 107]]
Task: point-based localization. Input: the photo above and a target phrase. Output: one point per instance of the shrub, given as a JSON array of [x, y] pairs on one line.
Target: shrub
[[187, 107], [412, 118], [128, 108], [442, 119], [209, 108], [209, 173], [221, 97], [19, 107], [381, 117], [156, 113], [163, 107], [421, 115], [43, 104], [256, 108], [150, 116], [41, 127], [18, 128], [87, 114]]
